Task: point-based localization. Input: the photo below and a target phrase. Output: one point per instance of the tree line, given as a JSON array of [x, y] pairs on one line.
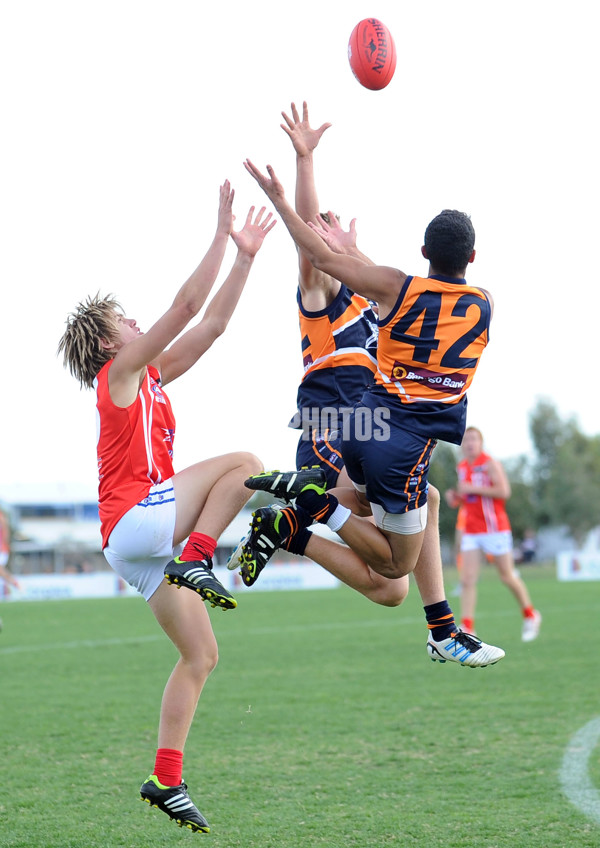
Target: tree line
[[557, 486]]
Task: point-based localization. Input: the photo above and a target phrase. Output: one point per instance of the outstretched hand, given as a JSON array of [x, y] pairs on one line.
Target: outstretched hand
[[303, 136], [336, 238], [225, 217], [270, 185], [250, 238]]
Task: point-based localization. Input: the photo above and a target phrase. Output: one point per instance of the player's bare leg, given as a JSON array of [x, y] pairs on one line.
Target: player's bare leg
[[350, 569], [389, 554], [428, 570], [532, 618], [185, 620], [505, 565], [209, 495], [469, 575]]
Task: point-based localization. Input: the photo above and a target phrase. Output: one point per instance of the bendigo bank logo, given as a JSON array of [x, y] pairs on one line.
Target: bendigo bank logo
[[449, 384]]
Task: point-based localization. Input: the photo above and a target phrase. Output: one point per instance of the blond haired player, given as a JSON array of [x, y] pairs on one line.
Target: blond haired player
[[146, 509]]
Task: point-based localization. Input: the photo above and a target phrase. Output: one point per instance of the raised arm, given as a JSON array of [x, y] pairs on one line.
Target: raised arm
[[192, 345], [131, 358], [305, 140], [377, 282], [317, 288]]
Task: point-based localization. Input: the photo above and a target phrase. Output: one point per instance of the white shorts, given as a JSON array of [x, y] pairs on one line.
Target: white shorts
[[494, 544], [141, 544], [4, 557]]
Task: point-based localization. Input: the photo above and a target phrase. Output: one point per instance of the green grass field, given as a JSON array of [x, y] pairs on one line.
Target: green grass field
[[325, 724]]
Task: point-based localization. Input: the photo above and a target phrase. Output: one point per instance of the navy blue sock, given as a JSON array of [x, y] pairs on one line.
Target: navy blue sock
[[320, 507], [440, 620], [297, 542], [292, 520]]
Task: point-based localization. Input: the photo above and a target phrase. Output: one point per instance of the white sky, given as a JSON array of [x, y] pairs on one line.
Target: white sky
[[121, 119]]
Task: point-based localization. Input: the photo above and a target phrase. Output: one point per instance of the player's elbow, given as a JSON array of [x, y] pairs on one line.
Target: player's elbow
[[215, 326], [186, 309]]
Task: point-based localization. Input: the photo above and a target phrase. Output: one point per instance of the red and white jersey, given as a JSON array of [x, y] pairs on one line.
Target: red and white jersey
[[135, 446], [4, 534], [482, 514]]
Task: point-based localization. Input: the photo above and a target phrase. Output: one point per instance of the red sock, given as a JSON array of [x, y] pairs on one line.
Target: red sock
[[468, 624], [168, 766], [198, 546], [529, 612]]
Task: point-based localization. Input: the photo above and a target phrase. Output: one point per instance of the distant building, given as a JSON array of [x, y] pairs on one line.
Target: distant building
[[57, 529]]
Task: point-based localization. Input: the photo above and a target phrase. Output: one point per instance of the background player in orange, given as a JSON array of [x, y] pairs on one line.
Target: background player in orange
[[482, 491], [147, 509], [434, 330]]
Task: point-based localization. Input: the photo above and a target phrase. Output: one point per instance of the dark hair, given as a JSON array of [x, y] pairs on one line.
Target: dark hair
[[449, 242]]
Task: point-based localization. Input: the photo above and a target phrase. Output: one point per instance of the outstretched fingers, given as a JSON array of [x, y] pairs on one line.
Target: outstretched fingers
[[225, 215], [269, 184], [291, 122], [250, 238], [253, 171], [265, 225], [322, 229]]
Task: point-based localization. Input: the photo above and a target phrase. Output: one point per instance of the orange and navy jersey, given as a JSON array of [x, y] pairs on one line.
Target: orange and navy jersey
[[482, 514], [135, 446], [339, 349], [428, 351]]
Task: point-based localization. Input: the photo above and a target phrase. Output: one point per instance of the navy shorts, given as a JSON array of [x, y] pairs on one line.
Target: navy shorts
[[323, 449], [393, 470]]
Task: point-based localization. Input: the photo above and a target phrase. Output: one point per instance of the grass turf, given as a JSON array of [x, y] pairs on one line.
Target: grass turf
[[325, 724]]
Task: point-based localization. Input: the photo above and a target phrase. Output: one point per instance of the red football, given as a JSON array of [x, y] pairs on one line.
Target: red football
[[372, 54]]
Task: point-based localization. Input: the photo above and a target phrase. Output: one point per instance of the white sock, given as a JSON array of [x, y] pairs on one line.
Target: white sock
[[340, 515]]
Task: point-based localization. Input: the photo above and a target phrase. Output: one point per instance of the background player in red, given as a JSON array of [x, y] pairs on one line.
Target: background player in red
[[5, 534], [147, 509], [481, 494], [434, 330]]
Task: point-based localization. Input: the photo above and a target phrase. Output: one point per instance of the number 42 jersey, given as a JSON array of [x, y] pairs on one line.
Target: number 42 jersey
[[429, 349]]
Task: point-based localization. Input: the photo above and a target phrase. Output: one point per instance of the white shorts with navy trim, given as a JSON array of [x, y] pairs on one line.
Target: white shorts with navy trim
[[141, 543]]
